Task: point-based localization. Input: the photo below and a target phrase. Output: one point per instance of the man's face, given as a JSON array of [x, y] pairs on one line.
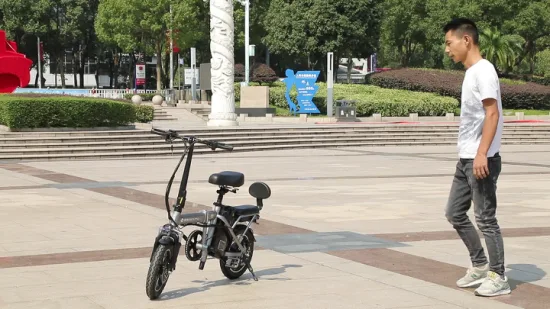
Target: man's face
[[455, 46]]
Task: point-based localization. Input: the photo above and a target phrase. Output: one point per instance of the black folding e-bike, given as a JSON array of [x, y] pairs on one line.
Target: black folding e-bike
[[225, 232]]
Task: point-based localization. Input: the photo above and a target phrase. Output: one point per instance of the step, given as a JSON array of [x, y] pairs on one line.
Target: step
[[165, 118], [167, 151], [268, 128], [78, 148], [146, 139], [236, 144], [178, 152], [4, 142]]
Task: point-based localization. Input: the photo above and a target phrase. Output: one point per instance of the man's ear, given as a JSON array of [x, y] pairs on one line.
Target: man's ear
[[467, 40]]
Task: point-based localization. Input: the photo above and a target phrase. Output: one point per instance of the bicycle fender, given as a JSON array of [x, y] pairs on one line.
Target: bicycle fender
[[241, 227], [166, 240]]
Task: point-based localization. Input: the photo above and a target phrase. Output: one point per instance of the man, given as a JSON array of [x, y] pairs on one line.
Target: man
[[479, 163]]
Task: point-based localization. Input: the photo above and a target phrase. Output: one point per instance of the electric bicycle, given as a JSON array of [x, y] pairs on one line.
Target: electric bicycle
[[225, 231]]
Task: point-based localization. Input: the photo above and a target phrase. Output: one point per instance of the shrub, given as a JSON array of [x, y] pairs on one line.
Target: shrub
[[66, 111], [239, 72], [542, 63], [262, 73], [372, 100], [515, 95], [144, 113], [144, 96]]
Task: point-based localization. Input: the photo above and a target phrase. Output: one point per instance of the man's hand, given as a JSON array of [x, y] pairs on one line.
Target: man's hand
[[481, 167]]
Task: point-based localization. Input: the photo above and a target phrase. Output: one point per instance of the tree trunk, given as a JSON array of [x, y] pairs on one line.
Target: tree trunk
[[159, 65], [82, 61], [166, 77], [75, 72], [350, 66], [132, 70], [36, 78], [62, 73], [56, 70]]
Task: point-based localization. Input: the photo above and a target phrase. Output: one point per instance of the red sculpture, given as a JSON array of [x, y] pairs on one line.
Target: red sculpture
[[14, 67]]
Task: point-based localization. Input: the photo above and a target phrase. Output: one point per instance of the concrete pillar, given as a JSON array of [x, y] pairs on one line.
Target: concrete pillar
[[222, 68]]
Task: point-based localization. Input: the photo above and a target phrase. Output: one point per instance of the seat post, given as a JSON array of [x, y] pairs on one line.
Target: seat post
[[221, 192]]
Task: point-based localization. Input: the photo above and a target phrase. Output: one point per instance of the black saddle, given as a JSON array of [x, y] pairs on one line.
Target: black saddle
[[246, 210], [232, 179]]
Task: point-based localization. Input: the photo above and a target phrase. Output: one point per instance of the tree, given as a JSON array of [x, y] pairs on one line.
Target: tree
[[532, 23], [59, 23], [312, 28], [143, 25], [501, 50]]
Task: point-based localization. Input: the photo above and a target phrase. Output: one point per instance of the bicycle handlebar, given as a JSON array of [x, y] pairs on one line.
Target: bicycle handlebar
[[170, 135]]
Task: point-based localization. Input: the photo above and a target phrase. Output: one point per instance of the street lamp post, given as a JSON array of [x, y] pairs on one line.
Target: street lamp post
[[171, 51], [246, 41]]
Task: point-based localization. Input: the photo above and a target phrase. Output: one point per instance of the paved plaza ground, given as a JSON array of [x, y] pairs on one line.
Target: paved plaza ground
[[344, 228]]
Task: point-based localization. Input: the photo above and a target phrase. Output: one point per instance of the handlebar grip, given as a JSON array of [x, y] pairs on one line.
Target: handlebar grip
[[224, 146], [158, 132]]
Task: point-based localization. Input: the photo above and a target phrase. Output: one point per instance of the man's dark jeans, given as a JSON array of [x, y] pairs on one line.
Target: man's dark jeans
[[465, 189]]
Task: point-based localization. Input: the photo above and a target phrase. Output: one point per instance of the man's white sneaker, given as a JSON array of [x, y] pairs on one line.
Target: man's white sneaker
[[493, 285], [474, 276]]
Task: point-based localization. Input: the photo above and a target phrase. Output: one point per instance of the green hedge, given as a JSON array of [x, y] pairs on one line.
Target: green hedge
[[65, 111], [515, 94], [144, 96], [374, 100]]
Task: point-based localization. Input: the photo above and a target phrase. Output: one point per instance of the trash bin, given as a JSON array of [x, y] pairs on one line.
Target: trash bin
[[345, 111], [170, 97]]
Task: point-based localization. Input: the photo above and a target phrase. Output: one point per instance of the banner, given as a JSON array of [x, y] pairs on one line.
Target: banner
[[140, 74]]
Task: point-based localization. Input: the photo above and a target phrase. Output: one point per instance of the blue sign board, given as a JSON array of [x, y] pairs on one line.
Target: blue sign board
[[306, 88]]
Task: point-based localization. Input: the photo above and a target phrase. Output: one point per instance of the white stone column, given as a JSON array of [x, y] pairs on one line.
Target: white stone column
[[222, 64]]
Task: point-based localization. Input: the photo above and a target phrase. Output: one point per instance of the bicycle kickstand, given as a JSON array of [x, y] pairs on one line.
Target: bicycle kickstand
[[252, 272]]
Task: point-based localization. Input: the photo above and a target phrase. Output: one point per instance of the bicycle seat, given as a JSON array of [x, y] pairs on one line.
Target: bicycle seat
[[232, 179], [245, 210]]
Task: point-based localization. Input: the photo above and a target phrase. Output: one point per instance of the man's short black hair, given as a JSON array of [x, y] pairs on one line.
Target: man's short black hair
[[463, 25]]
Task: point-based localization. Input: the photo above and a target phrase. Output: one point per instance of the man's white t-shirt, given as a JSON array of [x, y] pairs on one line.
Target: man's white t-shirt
[[480, 82]]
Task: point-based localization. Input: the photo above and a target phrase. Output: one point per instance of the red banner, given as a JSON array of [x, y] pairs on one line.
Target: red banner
[[140, 74]]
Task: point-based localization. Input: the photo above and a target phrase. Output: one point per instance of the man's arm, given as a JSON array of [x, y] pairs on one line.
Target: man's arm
[[490, 125], [488, 86]]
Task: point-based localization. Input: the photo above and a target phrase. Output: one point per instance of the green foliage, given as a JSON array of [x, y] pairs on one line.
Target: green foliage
[[502, 50], [61, 25], [371, 99], [412, 36], [143, 26], [27, 111], [144, 96], [542, 64], [515, 94], [314, 27], [144, 113]]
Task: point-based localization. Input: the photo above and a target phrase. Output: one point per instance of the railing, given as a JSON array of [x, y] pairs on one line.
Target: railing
[[97, 93], [171, 97], [116, 93]]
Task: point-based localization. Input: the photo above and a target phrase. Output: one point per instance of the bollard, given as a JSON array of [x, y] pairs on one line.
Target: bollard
[[520, 115]]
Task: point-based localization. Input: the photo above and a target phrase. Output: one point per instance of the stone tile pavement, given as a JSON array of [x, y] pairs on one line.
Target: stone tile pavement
[[344, 228]]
